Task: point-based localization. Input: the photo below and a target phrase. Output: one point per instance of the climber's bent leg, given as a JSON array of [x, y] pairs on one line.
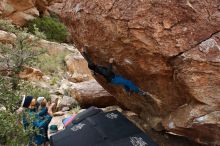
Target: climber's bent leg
[[127, 88], [128, 85]]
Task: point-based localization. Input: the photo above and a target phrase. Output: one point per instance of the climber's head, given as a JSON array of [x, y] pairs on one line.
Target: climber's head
[[42, 101], [92, 66], [28, 102]]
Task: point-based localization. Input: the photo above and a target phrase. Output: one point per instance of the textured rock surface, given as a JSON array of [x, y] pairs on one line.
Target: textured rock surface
[[67, 101], [56, 6], [31, 73], [78, 68], [90, 93], [21, 11], [198, 71], [6, 37], [169, 48], [54, 48]]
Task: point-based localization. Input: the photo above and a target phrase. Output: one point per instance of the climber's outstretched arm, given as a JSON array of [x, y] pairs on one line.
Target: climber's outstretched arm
[[91, 65], [111, 61], [86, 56]]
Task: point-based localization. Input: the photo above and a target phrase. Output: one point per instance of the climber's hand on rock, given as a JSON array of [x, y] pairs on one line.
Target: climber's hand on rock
[[84, 49], [111, 60]]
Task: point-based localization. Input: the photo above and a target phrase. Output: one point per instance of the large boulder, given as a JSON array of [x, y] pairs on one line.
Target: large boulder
[[56, 6], [168, 48], [19, 11], [90, 93], [198, 72], [22, 11], [54, 48], [30, 73], [77, 68], [6, 37], [67, 101]]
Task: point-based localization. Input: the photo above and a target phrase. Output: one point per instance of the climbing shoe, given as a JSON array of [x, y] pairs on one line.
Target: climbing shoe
[[142, 93], [129, 93]]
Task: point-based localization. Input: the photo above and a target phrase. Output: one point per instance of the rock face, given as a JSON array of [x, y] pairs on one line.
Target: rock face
[[31, 73], [198, 71], [21, 11], [56, 6], [54, 48], [67, 101], [169, 48], [78, 68], [6, 37], [90, 93]]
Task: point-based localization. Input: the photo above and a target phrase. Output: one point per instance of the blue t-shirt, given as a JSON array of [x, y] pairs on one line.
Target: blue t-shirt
[[41, 121]]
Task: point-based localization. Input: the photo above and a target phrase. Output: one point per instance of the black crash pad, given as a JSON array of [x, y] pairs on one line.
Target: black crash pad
[[93, 127]]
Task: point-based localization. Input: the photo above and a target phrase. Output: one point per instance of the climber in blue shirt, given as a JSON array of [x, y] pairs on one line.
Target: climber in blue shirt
[[37, 120], [110, 76]]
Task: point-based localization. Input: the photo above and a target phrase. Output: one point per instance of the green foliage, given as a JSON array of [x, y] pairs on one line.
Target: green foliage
[[7, 26], [52, 64], [13, 58], [38, 33], [76, 109], [51, 27], [12, 132], [22, 52], [8, 96], [36, 91], [54, 80]]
